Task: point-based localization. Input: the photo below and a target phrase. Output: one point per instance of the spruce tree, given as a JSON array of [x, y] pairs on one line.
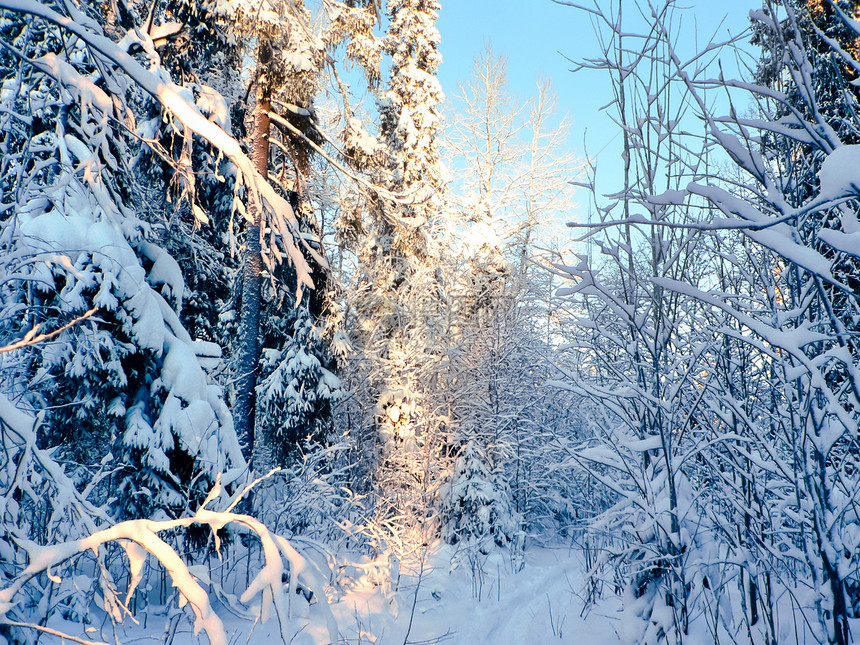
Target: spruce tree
[[127, 399]]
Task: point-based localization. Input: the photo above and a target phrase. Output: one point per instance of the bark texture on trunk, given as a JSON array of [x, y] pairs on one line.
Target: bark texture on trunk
[[248, 355]]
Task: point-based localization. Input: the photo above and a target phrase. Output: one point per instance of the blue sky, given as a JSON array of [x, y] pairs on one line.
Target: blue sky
[[536, 39]]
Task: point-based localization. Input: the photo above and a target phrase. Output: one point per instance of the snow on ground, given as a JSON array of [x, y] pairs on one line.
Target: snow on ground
[[487, 601], [539, 604], [494, 604]]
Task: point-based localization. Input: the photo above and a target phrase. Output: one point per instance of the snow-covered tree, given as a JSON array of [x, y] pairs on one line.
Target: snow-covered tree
[[766, 379], [512, 174], [642, 347], [397, 316], [799, 205], [122, 188], [127, 396]]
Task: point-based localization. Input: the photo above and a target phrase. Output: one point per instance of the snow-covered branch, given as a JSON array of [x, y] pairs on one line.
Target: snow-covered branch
[[141, 537], [173, 100]]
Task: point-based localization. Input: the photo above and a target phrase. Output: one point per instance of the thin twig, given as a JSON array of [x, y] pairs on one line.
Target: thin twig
[[415, 597], [32, 339], [52, 632]]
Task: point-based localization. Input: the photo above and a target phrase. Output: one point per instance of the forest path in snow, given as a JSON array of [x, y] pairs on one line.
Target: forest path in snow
[[541, 603]]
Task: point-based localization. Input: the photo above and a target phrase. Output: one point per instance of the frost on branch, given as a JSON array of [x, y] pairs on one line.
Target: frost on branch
[[140, 539]]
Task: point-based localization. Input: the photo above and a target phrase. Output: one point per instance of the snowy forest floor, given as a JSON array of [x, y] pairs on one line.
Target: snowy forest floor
[[539, 604], [491, 602]]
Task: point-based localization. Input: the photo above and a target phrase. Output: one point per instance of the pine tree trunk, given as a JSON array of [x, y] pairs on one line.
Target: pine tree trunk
[[248, 356]]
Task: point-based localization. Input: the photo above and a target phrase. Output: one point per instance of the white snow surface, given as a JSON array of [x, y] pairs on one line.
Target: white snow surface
[[493, 603], [540, 604], [839, 175]]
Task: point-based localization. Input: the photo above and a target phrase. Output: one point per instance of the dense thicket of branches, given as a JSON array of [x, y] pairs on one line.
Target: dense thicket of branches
[[719, 342]]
